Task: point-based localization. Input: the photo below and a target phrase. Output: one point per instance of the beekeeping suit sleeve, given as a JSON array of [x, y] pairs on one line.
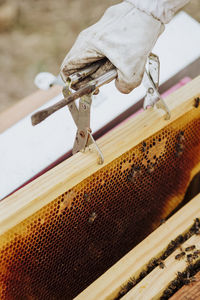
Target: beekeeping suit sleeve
[[162, 10], [125, 35]]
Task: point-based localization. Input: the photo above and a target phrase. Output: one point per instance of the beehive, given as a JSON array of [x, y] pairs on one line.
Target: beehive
[[192, 292], [159, 266], [68, 227]]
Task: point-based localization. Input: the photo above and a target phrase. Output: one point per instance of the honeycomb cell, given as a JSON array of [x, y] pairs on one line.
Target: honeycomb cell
[[65, 246]]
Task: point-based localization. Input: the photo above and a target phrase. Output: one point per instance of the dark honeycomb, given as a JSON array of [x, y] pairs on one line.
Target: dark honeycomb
[[61, 249]]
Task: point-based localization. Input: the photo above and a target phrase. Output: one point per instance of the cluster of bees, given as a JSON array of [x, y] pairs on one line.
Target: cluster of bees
[[183, 278], [186, 277], [190, 257], [126, 288]]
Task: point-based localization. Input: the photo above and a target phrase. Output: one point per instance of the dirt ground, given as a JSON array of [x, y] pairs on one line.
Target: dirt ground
[[35, 35]]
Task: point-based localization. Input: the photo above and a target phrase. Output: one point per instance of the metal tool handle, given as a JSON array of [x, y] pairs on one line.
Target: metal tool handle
[[89, 73], [40, 116], [105, 78], [77, 77], [109, 75]]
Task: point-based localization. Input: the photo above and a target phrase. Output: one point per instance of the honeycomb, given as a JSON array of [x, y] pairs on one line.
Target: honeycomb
[[62, 248]]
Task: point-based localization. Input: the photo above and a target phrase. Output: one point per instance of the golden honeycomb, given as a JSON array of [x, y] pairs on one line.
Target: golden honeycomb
[[65, 246]]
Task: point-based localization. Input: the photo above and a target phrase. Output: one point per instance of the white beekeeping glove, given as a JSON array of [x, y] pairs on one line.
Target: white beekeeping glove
[[162, 10], [125, 35]]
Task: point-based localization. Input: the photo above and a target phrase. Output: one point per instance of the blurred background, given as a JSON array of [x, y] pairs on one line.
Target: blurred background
[[35, 36]]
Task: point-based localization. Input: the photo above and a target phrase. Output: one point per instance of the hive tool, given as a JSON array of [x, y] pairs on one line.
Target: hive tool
[[82, 85]]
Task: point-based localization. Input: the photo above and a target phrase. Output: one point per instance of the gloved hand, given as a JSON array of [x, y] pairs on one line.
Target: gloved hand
[[125, 35]]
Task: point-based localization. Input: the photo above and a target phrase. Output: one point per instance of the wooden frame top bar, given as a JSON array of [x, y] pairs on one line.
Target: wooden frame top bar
[[108, 285], [52, 184]]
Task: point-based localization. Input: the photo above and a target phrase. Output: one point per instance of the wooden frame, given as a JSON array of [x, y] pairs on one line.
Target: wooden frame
[[192, 292], [30, 103], [48, 209], [151, 287], [49, 186]]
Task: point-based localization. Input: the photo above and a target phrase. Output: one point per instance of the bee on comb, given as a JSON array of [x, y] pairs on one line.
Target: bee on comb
[[161, 265], [196, 102], [190, 248], [150, 168], [189, 258], [92, 218], [181, 137], [87, 197], [180, 256], [134, 173], [144, 147]]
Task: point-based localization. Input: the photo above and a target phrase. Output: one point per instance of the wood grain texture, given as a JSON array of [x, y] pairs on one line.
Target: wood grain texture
[[43, 190], [110, 283], [154, 284], [189, 292], [24, 107]]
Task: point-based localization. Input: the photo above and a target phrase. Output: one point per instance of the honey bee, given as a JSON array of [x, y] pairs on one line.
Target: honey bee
[[123, 291], [134, 173], [87, 197], [161, 265], [189, 279], [150, 168], [197, 226], [180, 255], [197, 252], [127, 287], [131, 283], [179, 276], [162, 221], [196, 102], [92, 218], [143, 274], [144, 147], [190, 248], [181, 137], [152, 264], [179, 149], [189, 258]]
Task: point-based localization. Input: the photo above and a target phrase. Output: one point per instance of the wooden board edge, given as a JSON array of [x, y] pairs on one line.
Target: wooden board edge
[[191, 291], [108, 285], [52, 184], [157, 281]]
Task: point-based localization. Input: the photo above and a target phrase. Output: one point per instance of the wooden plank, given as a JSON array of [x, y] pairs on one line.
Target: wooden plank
[[190, 292], [154, 284], [43, 190], [24, 107], [109, 284]]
